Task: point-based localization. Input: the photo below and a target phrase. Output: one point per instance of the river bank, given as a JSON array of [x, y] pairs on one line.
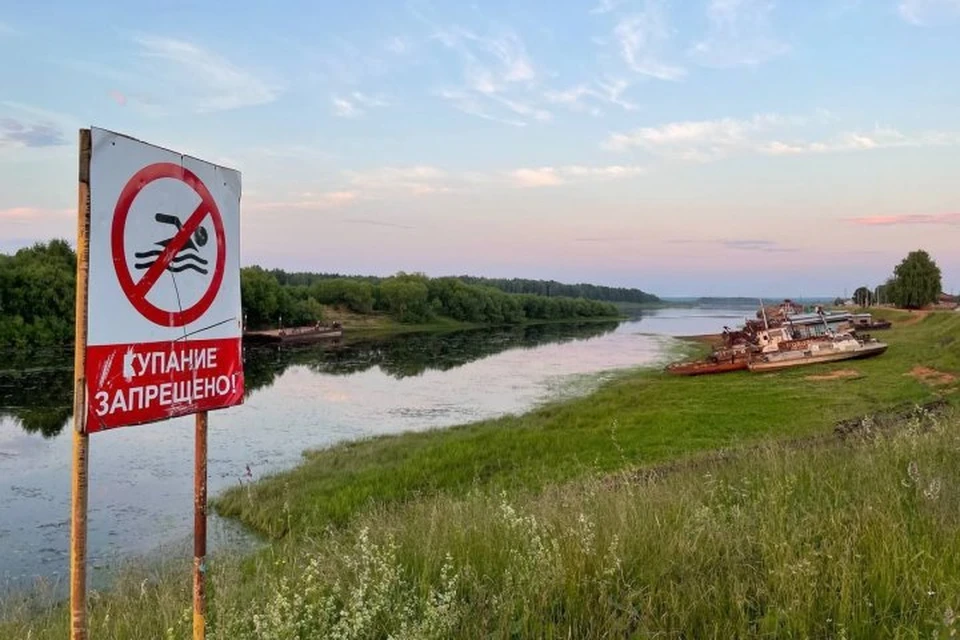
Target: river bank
[[296, 398], [546, 524], [642, 417]]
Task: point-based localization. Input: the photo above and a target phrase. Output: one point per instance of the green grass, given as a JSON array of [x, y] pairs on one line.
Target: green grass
[[559, 524], [641, 417], [853, 538]]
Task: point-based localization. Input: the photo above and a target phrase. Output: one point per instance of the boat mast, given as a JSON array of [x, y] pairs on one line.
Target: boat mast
[[763, 312], [823, 316]]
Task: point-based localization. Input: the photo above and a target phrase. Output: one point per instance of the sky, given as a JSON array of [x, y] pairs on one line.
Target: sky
[[702, 147]]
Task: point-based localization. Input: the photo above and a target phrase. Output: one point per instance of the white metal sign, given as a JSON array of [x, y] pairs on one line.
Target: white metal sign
[[164, 319]]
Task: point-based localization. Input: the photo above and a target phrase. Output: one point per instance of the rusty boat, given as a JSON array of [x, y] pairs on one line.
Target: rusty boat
[[295, 335]]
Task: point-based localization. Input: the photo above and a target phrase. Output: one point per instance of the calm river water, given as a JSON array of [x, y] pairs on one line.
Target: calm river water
[[141, 485]]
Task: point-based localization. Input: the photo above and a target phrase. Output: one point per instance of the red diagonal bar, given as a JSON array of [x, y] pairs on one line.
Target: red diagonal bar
[[142, 288]]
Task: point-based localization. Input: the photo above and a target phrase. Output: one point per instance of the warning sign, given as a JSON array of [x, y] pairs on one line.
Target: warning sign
[[164, 325]]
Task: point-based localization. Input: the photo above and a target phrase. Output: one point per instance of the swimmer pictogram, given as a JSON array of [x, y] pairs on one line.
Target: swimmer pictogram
[[201, 229], [187, 257]]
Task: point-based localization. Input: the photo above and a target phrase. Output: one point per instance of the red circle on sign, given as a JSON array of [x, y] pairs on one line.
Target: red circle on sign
[[137, 292]]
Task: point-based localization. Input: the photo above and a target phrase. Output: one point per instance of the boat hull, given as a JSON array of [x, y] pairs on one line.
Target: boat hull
[[867, 351], [705, 368], [289, 337]]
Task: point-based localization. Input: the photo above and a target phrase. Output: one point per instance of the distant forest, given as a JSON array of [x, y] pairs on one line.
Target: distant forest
[[37, 296], [548, 288], [552, 288], [298, 298]]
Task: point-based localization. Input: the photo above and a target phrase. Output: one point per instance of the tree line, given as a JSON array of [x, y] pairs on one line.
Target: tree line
[[915, 283], [551, 288], [37, 287], [548, 288], [271, 298], [37, 291]]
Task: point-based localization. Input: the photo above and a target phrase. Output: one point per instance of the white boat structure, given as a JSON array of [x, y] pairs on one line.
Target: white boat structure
[[788, 340], [831, 348]]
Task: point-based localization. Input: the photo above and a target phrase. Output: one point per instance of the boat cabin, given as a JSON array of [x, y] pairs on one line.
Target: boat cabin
[[810, 325]]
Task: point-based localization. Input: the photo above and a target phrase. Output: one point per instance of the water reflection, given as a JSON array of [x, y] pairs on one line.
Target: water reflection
[[36, 390], [141, 488], [410, 355]]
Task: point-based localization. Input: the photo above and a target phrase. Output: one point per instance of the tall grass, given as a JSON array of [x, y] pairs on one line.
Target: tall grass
[[847, 539], [660, 418]]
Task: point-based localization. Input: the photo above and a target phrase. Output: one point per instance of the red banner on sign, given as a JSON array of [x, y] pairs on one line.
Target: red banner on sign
[[130, 384]]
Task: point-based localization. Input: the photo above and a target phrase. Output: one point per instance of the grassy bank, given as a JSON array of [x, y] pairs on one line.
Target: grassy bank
[[639, 418], [852, 538], [560, 523], [368, 325]]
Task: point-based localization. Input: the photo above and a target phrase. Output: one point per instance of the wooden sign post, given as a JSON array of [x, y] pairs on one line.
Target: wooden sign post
[[158, 323], [200, 528], [81, 452]]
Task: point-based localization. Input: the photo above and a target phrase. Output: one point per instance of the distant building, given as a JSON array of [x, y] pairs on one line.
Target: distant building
[[947, 301]]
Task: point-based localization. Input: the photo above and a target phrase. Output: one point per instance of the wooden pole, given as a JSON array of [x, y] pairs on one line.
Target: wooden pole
[[200, 528], [81, 452]]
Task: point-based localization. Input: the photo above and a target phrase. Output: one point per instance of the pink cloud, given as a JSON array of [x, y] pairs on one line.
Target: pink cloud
[[907, 219], [119, 98], [31, 213], [306, 202]]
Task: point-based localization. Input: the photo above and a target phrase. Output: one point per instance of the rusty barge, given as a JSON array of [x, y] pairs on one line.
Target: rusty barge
[[782, 336], [295, 335]]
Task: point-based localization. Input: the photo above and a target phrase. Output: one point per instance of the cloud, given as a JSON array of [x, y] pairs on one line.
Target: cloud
[[765, 246], [606, 6], [928, 12], [739, 33], [307, 201], [641, 39], [606, 91], [499, 78], [198, 77], [118, 97], [17, 134], [599, 240], [425, 180], [878, 138], [491, 62], [415, 180], [542, 177], [369, 101], [376, 223], [398, 45], [697, 139], [745, 244], [523, 109], [555, 176], [23, 214], [356, 104], [952, 219], [709, 140], [470, 104], [344, 108], [839, 8], [297, 152]]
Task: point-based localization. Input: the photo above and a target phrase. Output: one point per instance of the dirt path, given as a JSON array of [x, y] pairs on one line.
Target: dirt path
[[915, 317], [932, 377]]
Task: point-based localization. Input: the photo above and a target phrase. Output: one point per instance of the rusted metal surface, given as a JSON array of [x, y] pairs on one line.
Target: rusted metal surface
[[200, 528], [81, 452], [706, 367]]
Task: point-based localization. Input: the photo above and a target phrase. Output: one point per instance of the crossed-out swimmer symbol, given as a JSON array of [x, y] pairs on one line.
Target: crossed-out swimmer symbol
[[184, 260]]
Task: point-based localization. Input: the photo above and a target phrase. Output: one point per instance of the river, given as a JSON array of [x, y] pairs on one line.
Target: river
[[141, 486]]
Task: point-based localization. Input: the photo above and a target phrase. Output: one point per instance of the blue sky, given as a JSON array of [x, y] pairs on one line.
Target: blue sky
[[705, 147]]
